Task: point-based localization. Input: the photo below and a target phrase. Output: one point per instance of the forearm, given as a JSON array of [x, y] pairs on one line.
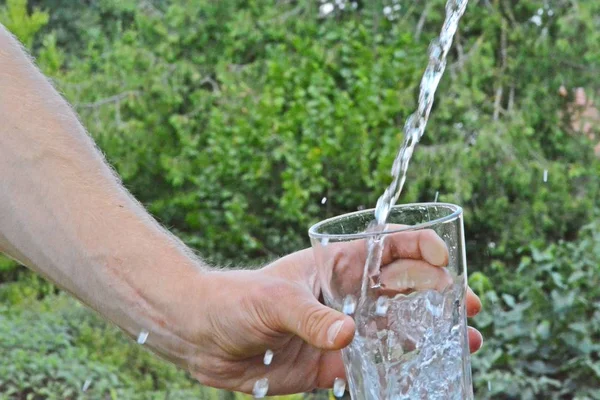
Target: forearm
[[64, 214]]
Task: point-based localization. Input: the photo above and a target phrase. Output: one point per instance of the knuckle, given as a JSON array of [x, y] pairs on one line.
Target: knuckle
[[314, 321]]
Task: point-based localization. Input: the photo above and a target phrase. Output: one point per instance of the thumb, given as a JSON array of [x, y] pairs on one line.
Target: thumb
[[320, 326]]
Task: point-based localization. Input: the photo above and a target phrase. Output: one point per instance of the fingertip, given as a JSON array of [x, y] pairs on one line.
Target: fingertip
[[341, 333], [475, 339], [433, 248], [473, 303]]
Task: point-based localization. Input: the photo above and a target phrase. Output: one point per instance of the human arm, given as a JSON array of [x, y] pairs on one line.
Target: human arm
[[64, 214]]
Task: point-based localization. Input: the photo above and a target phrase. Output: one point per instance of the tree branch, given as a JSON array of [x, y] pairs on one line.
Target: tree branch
[[462, 60], [500, 88], [212, 83], [422, 20], [112, 99]]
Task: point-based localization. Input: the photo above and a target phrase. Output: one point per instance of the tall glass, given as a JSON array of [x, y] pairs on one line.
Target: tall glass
[[411, 329]]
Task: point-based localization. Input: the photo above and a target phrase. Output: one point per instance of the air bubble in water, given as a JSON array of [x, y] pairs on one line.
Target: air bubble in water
[[86, 385], [268, 357], [142, 337], [261, 387], [545, 175], [339, 387], [324, 200], [349, 305], [382, 305]]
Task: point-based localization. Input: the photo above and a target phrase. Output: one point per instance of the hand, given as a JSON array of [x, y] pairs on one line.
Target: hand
[[277, 308]]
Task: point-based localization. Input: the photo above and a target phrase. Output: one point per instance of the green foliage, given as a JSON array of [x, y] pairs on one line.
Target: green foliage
[[50, 349], [231, 120], [20, 22], [542, 324], [232, 130]]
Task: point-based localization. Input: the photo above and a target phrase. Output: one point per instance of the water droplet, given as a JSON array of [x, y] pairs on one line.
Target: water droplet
[[349, 305], [437, 193], [326, 9], [339, 387], [268, 357], [376, 282], [324, 241], [490, 386], [536, 19], [545, 175], [261, 387], [142, 337], [382, 305], [86, 385], [324, 200]]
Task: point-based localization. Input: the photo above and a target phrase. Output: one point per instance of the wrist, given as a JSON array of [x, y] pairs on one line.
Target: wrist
[[155, 285]]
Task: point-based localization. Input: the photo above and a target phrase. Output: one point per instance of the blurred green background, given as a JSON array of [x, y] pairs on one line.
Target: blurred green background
[[231, 120]]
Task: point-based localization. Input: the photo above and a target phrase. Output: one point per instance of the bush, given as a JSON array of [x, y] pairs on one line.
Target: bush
[[231, 120], [50, 349], [232, 130], [542, 324]]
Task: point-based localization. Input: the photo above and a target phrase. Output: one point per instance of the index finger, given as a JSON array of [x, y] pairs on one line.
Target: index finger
[[424, 244]]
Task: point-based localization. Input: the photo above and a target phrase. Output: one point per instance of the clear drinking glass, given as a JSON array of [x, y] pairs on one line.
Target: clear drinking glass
[[411, 336]]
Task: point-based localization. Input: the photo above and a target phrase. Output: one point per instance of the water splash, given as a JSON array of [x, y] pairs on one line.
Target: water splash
[[437, 193], [324, 200], [382, 305], [261, 387], [86, 385], [349, 305], [416, 123], [339, 387], [142, 337], [414, 128], [268, 357]]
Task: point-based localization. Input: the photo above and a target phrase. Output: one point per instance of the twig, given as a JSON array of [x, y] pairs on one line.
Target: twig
[[509, 13], [461, 61], [286, 15], [118, 121], [498, 102], [148, 5], [112, 99], [459, 48], [212, 83], [500, 88], [422, 20], [579, 66]]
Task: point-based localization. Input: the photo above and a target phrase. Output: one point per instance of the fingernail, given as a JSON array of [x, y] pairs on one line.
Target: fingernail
[[333, 331], [480, 341]]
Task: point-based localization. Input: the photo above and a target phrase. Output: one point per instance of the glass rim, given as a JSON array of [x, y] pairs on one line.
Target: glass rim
[[314, 234]]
